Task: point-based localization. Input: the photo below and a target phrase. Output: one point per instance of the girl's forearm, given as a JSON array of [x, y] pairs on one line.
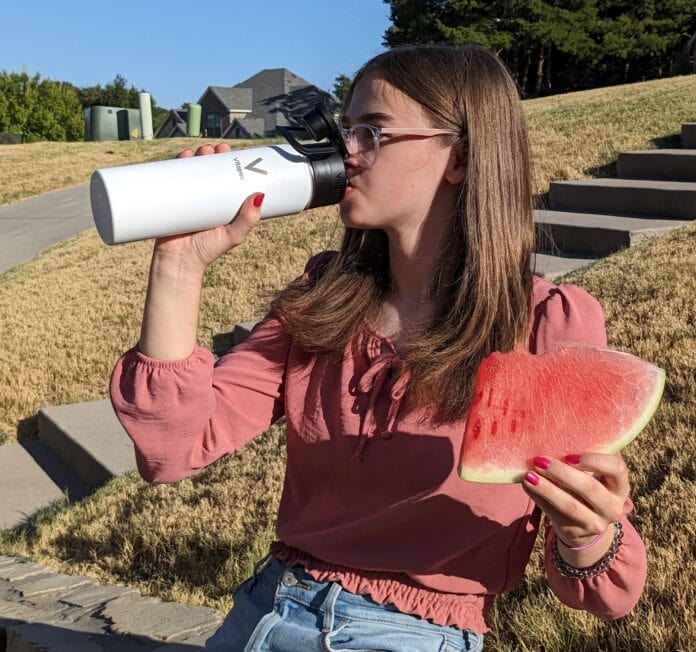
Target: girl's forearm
[[170, 316]]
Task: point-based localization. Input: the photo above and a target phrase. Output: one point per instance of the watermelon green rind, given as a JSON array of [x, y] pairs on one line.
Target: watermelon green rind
[[491, 475]]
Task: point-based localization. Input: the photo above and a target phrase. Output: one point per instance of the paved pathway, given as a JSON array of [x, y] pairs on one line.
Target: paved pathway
[[29, 226]]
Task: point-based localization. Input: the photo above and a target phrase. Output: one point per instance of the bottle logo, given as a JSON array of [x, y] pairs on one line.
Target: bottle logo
[[252, 167]]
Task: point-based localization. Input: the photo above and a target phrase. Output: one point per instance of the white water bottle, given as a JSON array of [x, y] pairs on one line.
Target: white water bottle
[[149, 200]]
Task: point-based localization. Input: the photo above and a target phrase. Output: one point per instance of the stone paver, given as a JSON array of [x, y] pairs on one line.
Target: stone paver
[[49, 583], [93, 595], [162, 620], [42, 610]]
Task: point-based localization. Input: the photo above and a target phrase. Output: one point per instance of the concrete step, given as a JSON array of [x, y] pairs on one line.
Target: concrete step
[[591, 234], [552, 267], [688, 135], [32, 479], [89, 439], [656, 199], [667, 164]]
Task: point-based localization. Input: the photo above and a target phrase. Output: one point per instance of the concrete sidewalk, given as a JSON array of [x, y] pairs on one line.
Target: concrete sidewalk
[[30, 226]]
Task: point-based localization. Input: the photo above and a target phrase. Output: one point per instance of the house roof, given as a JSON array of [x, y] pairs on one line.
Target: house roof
[[235, 98], [173, 124], [245, 128], [272, 82]]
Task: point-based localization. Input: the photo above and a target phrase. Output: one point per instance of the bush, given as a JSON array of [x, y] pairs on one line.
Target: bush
[[39, 109]]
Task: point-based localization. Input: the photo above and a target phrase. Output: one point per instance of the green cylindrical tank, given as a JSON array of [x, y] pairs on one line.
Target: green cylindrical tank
[[193, 120], [145, 104]]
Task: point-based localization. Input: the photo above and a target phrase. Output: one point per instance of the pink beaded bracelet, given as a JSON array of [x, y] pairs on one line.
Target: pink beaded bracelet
[[587, 545]]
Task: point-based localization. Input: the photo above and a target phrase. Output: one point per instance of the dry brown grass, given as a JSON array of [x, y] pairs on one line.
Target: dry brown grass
[[68, 314]]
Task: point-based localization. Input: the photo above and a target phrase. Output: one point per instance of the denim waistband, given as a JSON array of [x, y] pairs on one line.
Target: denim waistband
[[336, 605]]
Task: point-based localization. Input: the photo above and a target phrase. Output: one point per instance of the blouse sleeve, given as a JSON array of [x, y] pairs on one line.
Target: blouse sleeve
[[182, 415], [615, 591], [564, 313], [570, 313]]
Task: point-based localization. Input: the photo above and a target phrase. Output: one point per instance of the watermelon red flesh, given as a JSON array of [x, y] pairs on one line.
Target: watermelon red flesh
[[574, 399]]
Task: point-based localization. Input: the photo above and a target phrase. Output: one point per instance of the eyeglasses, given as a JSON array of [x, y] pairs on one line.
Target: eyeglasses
[[362, 140]]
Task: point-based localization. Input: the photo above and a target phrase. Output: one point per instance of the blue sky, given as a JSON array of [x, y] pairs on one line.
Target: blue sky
[[176, 49]]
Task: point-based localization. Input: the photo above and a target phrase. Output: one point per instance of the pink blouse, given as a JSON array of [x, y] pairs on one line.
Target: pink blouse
[[372, 498]]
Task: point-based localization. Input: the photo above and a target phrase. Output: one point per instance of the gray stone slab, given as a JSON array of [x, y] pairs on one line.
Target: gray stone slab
[[161, 620], [45, 584], [667, 164], [40, 637], [25, 486], [92, 595], [28, 227], [180, 647], [593, 234], [11, 611], [21, 570], [6, 561], [552, 267], [670, 199], [89, 438], [688, 135]]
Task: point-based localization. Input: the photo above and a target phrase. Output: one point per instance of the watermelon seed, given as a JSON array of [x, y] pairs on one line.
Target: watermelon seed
[[477, 429]]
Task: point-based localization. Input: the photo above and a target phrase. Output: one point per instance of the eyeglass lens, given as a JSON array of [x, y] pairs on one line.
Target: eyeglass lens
[[361, 142]]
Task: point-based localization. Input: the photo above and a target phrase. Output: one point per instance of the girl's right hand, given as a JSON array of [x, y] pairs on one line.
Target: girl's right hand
[[201, 248]]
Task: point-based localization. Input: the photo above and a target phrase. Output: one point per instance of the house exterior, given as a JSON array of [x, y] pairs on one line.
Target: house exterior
[[221, 106], [257, 106], [254, 108]]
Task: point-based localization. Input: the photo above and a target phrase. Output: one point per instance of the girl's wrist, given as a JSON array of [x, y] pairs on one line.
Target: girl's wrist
[[583, 568], [176, 267], [588, 553]]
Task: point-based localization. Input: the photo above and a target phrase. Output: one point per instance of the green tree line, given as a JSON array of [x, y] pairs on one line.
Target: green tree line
[[42, 109], [555, 46]]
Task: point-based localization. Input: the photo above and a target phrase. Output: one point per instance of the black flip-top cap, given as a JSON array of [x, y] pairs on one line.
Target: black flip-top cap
[[319, 122], [329, 180]]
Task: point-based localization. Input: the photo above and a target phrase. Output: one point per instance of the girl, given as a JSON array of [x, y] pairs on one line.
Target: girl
[[371, 357]]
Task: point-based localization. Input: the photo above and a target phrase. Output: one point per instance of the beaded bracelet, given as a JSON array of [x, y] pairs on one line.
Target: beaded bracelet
[[565, 569]]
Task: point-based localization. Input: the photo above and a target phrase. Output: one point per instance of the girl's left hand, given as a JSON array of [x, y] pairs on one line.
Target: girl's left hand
[[582, 496]]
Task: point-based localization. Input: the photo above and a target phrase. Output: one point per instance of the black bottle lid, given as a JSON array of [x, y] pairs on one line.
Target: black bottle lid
[[329, 180]]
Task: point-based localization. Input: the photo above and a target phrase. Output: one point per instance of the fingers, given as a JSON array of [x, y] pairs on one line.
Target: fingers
[[562, 507], [592, 491], [611, 468], [246, 219], [205, 150]]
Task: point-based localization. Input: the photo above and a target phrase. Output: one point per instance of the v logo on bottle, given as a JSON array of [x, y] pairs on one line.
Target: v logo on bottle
[[252, 166]]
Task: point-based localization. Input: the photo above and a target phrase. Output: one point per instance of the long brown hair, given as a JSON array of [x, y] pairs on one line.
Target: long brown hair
[[481, 288]]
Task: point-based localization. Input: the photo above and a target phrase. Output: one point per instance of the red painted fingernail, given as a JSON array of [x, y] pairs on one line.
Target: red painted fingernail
[[573, 459], [541, 462], [532, 478], [258, 200]]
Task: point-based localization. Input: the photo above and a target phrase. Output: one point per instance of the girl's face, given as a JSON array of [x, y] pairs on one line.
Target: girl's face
[[406, 184]]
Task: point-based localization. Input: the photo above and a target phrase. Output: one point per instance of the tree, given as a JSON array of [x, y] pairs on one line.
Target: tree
[[117, 93], [341, 86], [39, 109], [552, 46]]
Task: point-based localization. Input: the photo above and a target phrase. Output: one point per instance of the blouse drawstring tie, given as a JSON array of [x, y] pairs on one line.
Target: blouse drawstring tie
[[372, 383]]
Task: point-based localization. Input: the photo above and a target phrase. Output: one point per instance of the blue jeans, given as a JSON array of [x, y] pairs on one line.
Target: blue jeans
[[283, 608]]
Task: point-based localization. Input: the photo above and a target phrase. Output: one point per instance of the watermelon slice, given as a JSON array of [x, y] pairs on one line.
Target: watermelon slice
[[573, 399]]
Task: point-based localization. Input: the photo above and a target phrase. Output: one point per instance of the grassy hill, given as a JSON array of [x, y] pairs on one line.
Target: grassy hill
[[68, 314]]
